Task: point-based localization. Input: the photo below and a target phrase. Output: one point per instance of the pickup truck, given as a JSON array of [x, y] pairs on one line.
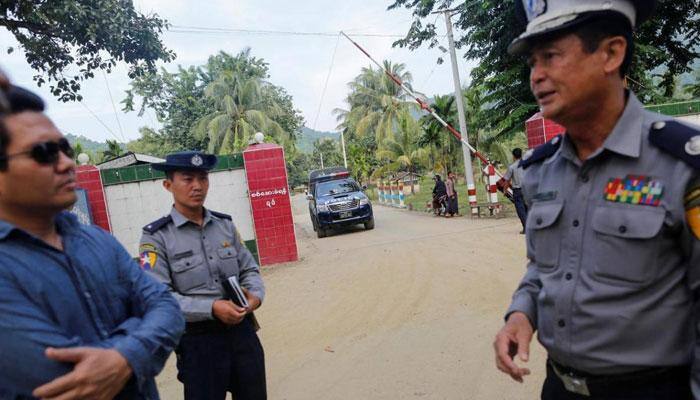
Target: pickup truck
[[336, 200]]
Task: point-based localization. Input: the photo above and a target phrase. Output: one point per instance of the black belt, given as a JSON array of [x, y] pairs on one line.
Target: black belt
[[586, 383], [202, 327]]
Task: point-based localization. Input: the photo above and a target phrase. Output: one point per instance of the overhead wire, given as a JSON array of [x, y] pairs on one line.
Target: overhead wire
[[325, 86], [114, 107], [209, 30], [99, 120]]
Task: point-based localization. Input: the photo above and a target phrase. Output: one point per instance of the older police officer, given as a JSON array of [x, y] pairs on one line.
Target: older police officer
[[613, 233], [192, 250]]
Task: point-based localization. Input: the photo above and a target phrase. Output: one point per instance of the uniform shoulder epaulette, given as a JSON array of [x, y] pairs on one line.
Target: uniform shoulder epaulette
[[154, 226], [677, 139], [221, 215], [541, 153]]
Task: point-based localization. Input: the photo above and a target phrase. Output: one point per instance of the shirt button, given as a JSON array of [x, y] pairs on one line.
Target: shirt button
[[211, 258], [87, 295], [584, 178], [561, 323], [539, 221], [622, 229], [576, 223], [568, 277]]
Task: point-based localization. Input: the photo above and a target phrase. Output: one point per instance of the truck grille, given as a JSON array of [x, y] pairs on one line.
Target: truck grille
[[344, 206]]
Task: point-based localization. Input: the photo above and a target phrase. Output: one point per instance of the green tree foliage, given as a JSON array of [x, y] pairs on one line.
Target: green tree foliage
[[67, 41], [375, 102], [332, 154], [403, 153], [114, 150], [183, 99], [298, 166], [666, 46], [239, 112], [438, 140], [152, 143]]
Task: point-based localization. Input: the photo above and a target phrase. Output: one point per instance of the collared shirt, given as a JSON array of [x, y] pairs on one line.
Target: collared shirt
[[192, 260], [90, 294], [609, 282], [450, 186], [515, 175]]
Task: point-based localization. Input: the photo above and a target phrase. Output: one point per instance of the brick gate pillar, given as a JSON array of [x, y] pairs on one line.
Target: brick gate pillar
[[270, 202]]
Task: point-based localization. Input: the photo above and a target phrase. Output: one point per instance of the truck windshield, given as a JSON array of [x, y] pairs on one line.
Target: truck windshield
[[337, 187]]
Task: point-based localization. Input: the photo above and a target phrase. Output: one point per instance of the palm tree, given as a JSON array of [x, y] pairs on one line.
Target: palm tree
[[114, 150], [436, 136], [402, 152], [375, 102], [240, 111]]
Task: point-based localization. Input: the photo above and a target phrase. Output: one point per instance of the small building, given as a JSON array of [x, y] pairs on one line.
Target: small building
[[408, 179], [129, 159]]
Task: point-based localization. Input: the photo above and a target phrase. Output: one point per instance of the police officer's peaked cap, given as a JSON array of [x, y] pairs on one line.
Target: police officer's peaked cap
[[187, 160], [15, 100], [547, 16]]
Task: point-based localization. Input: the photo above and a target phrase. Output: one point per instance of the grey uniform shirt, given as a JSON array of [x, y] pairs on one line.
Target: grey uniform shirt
[[515, 175], [608, 283], [190, 261]]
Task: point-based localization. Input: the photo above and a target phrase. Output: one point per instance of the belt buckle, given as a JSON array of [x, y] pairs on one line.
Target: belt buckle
[[573, 383]]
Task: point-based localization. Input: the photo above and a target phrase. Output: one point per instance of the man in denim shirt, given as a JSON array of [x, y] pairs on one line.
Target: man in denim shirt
[[79, 319]]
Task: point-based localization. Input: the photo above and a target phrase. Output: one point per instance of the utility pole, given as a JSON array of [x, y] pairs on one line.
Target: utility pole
[[342, 144], [468, 172]]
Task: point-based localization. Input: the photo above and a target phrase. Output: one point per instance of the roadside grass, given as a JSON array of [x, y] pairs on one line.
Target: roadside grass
[[418, 201]]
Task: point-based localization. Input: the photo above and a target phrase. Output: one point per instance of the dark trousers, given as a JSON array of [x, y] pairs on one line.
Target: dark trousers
[[212, 363], [453, 204], [520, 206], [671, 385]]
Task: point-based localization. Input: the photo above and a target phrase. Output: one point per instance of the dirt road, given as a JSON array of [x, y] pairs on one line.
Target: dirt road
[[405, 311]]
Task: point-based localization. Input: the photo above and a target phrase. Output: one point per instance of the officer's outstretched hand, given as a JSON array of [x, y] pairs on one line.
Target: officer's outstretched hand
[[228, 312], [98, 374], [514, 338]]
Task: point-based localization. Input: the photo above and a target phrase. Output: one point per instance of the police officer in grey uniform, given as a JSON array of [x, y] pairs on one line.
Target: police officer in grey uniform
[[514, 179], [193, 250], [613, 231]]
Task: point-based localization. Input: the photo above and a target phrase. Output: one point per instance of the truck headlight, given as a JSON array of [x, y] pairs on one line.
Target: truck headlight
[[364, 201], [322, 207]]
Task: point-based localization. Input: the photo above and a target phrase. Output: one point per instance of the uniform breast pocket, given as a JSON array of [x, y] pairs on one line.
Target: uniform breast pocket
[[190, 272], [544, 241], [228, 260], [624, 250]]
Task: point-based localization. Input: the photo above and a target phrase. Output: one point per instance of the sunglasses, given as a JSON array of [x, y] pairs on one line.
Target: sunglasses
[[46, 153]]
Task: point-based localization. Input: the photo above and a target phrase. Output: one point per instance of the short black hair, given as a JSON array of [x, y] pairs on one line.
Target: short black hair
[[596, 27], [18, 100], [517, 152]]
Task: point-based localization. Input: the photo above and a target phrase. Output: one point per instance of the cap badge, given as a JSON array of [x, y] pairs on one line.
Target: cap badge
[[197, 160], [692, 147], [534, 8]]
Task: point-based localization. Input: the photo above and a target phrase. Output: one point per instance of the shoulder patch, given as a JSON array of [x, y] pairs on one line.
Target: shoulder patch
[[154, 226], [541, 153], [221, 215], [677, 139]]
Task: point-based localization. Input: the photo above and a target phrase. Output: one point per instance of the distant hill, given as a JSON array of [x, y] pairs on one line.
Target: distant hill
[[88, 145], [307, 137]]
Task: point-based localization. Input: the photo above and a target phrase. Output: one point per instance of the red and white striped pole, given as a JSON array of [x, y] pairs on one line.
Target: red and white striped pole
[[493, 189], [471, 191]]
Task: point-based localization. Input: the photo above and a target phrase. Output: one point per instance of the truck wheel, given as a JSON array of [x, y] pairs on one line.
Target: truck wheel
[[321, 232], [369, 224]]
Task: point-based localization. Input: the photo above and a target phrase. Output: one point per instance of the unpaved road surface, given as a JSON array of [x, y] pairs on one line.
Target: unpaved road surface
[[405, 311]]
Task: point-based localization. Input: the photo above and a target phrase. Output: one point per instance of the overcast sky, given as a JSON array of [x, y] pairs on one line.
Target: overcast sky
[[299, 63]]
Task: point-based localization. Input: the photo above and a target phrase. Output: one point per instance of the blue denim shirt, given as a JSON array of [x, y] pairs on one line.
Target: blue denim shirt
[[91, 294]]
